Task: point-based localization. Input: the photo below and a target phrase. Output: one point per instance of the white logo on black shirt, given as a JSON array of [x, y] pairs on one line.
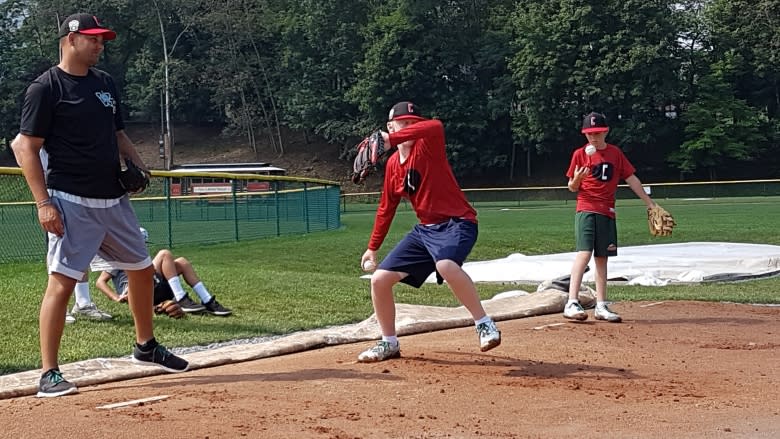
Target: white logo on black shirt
[[106, 99]]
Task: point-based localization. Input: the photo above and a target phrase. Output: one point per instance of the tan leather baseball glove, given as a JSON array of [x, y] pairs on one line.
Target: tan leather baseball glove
[[170, 308], [660, 221]]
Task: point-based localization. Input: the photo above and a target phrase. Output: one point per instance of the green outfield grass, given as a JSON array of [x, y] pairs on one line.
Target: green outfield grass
[[292, 283]]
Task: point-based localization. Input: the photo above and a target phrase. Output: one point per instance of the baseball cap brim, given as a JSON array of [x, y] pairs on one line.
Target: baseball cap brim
[[107, 34], [595, 130]]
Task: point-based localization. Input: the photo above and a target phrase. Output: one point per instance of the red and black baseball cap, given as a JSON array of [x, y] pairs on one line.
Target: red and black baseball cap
[[594, 123], [85, 24], [404, 111]]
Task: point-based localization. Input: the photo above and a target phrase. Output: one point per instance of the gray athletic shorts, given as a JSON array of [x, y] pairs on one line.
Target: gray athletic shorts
[[106, 228]]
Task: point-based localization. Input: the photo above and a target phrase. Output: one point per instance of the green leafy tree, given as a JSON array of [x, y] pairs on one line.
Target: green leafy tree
[[571, 57], [745, 34], [751, 29], [447, 57], [720, 128], [320, 46], [239, 68], [27, 48]]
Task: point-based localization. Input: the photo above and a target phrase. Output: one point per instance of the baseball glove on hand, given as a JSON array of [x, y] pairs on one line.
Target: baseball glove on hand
[[169, 307], [133, 179], [369, 152], [660, 221]]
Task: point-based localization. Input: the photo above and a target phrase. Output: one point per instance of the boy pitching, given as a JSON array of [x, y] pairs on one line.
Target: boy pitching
[[419, 171]]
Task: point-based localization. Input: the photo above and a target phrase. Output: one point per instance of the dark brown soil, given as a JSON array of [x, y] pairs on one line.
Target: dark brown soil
[[671, 370], [302, 157]]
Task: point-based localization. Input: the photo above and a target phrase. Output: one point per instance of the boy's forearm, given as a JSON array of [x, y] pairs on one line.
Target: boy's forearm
[[636, 186], [107, 291]]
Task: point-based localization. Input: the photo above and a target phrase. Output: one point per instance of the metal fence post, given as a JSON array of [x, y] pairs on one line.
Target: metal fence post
[[306, 206]]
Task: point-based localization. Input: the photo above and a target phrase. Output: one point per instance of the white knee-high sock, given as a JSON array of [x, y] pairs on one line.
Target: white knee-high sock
[[202, 292], [178, 290], [82, 294]]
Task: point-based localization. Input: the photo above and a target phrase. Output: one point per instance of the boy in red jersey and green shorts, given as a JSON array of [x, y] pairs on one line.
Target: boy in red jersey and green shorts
[[594, 173]]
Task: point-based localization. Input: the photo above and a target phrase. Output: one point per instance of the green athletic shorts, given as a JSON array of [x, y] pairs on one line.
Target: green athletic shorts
[[595, 233]]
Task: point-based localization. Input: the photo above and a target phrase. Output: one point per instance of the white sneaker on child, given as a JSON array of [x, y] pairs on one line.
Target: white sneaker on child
[[489, 336], [575, 311], [382, 350], [604, 313]]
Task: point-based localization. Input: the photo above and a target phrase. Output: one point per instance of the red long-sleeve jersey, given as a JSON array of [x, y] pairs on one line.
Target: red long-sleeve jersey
[[425, 178]]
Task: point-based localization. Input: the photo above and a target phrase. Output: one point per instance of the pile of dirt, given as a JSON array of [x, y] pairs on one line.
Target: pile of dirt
[[302, 157]]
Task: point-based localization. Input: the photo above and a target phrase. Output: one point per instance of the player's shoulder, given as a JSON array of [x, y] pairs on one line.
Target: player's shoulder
[[44, 81]]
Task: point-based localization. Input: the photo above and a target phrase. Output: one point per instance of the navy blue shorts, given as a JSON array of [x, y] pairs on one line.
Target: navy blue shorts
[[421, 248]]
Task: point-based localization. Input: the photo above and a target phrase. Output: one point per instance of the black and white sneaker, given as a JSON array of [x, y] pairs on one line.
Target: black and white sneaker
[[214, 307], [53, 384], [161, 357], [190, 306]]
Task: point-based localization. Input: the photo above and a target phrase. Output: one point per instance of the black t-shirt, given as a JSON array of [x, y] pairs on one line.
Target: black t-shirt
[[78, 117]]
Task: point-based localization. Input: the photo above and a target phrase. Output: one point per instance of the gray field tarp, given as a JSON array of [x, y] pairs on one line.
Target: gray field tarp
[[651, 265]]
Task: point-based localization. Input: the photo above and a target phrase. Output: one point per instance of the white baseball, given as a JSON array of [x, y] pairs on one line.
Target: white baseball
[[369, 265], [590, 150]]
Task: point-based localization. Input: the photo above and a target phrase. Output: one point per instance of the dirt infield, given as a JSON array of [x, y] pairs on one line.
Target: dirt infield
[[671, 370]]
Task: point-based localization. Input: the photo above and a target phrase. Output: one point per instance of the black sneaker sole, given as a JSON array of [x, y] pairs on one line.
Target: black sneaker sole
[[42, 394], [167, 369]]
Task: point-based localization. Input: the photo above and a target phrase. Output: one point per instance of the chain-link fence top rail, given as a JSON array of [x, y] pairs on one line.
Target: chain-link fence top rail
[[189, 208], [529, 197]]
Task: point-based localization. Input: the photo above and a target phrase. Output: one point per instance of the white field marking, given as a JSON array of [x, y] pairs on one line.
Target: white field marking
[[133, 402], [548, 326], [650, 304]]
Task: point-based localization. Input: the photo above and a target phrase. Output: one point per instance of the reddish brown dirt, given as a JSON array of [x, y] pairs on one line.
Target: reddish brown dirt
[[672, 370]]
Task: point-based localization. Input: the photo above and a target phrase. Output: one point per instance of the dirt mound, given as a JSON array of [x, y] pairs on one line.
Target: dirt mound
[[672, 369], [302, 157]]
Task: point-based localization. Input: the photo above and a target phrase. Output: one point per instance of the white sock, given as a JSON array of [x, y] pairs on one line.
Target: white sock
[[483, 320], [572, 301], [178, 290], [392, 339], [202, 292], [601, 305], [82, 294]]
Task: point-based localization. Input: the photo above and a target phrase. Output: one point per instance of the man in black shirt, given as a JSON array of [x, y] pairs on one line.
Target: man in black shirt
[[72, 111]]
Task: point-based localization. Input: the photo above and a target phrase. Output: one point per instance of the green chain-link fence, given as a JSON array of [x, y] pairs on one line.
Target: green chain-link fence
[[189, 208]]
